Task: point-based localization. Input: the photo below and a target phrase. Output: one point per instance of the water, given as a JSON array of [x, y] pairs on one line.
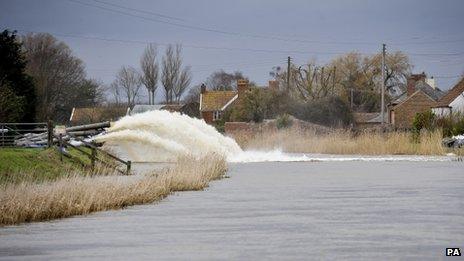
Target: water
[[163, 136], [275, 210]]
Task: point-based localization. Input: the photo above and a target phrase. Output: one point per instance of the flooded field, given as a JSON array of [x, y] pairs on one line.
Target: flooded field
[[273, 210]]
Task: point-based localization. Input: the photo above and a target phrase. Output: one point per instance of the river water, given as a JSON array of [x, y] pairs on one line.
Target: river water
[[273, 210]]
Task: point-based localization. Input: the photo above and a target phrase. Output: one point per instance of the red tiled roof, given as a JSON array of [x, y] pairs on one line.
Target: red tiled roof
[[452, 94]]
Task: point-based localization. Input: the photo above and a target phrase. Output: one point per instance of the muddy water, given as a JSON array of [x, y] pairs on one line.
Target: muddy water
[[293, 210]]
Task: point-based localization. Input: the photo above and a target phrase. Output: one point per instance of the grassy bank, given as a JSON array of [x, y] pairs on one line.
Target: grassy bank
[[82, 194], [345, 142], [25, 164]]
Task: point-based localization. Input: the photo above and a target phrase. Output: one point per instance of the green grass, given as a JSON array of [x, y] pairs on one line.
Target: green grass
[[26, 164]]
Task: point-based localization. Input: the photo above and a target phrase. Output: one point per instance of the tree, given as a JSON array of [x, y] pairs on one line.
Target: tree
[[59, 77], [150, 68], [361, 75], [17, 93], [311, 82], [223, 81], [183, 83], [128, 84], [174, 78], [11, 105]]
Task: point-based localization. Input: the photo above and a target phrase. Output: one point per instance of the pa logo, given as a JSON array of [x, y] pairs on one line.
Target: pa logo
[[453, 251]]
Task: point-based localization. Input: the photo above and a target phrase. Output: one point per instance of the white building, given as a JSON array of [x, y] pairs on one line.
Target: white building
[[452, 101]]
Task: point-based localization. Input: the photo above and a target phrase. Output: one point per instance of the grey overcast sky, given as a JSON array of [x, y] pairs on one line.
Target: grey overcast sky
[[248, 35]]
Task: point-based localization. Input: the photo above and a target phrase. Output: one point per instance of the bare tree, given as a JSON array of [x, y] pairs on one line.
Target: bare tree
[[183, 83], [312, 82], [128, 82], [59, 77], [221, 80], [150, 68], [174, 78]]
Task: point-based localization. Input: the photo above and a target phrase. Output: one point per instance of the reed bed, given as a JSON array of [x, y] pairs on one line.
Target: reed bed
[[346, 142], [78, 194]]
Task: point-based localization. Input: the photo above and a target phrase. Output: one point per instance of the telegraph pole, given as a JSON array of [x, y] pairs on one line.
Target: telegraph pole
[[288, 73], [382, 110]]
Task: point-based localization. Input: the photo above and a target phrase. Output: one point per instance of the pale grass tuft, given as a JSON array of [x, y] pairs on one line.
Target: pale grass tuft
[[77, 194], [345, 142]]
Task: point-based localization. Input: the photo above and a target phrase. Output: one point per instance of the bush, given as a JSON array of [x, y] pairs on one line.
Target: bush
[[451, 125], [329, 111], [284, 121]]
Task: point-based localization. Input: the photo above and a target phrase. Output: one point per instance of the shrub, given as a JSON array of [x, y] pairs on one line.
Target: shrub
[[284, 121], [330, 111]]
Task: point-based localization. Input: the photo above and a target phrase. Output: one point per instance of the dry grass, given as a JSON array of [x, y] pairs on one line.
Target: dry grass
[[345, 142], [77, 194]]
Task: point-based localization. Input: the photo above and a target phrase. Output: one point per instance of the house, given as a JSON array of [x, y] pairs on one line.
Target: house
[[214, 103], [364, 120], [421, 95], [451, 102], [88, 115]]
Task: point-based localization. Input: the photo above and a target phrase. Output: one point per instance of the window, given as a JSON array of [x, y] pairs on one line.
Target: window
[[217, 115]]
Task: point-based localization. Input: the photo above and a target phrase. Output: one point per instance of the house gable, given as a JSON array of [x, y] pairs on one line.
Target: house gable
[[407, 109], [452, 95]]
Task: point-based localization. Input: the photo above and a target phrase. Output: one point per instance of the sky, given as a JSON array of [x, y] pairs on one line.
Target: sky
[[247, 35]]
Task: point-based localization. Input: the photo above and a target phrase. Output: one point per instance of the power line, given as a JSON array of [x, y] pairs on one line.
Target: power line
[[214, 30], [139, 10], [229, 48]]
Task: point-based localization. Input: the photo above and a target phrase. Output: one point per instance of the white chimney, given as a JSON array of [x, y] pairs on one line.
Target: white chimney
[[431, 82]]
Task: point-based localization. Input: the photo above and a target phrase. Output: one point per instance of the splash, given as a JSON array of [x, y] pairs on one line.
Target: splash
[[164, 136]]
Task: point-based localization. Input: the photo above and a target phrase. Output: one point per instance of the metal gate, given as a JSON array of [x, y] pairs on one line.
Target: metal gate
[[37, 134]]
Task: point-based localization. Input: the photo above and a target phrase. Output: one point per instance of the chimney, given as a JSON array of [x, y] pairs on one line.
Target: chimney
[[242, 86], [412, 80], [431, 82], [274, 85], [202, 88]]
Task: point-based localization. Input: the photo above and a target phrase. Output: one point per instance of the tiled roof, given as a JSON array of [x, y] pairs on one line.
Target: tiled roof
[[363, 117], [216, 100], [452, 94], [97, 114], [434, 93]]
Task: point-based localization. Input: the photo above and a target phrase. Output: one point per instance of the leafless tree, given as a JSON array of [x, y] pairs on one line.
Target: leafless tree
[[59, 77], [312, 82], [150, 68], [174, 78], [128, 82], [183, 83], [221, 80]]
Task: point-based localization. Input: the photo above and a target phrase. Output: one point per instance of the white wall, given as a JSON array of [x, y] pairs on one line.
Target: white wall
[[441, 111], [458, 104]]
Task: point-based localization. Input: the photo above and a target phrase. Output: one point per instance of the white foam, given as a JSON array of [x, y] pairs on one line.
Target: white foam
[[162, 136]]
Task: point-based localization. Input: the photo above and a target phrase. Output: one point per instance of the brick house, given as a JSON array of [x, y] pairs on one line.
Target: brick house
[[421, 95], [214, 103], [452, 101], [97, 114]]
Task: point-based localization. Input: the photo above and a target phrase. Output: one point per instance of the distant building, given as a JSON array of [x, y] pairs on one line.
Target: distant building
[[364, 120], [88, 115], [214, 103], [452, 101], [420, 96]]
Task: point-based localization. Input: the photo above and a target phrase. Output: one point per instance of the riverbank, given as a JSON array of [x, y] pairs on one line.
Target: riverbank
[[345, 142], [78, 194]]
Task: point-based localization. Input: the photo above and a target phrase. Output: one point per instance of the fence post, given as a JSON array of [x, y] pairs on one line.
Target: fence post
[[60, 140], [50, 133], [2, 129], [93, 157], [128, 167]]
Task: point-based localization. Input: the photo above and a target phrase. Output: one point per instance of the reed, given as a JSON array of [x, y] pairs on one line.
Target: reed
[[78, 194], [346, 142]]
